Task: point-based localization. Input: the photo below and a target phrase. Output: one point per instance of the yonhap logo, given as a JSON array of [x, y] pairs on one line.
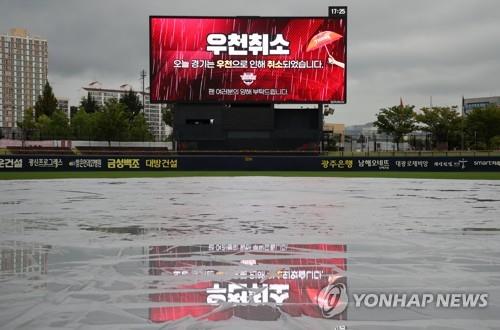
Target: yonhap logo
[[248, 78], [333, 299]]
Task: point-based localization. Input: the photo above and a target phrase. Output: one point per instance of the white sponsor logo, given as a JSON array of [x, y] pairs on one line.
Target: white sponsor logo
[[248, 78]]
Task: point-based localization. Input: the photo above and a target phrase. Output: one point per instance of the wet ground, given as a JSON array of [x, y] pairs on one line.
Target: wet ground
[[97, 254]]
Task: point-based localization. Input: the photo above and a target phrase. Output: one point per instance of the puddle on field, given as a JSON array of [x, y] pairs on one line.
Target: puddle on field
[[246, 253], [132, 230], [482, 229]]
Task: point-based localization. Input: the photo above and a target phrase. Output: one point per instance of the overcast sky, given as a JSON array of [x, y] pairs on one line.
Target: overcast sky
[[396, 48]]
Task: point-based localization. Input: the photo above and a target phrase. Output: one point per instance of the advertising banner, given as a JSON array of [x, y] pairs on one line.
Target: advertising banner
[[248, 59], [21, 163]]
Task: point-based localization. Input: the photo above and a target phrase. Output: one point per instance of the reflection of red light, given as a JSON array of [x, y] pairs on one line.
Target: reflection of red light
[[191, 300]]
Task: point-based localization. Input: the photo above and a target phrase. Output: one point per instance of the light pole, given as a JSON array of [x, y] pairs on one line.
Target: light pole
[[368, 144], [143, 78], [462, 124], [463, 137]]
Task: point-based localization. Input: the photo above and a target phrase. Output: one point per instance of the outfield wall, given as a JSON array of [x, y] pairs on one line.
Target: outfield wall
[[248, 163]]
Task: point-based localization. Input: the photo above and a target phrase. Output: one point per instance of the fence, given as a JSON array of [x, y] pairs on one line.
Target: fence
[[246, 163]]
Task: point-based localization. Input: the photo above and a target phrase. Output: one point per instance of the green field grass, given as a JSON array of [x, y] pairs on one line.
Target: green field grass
[[145, 174]]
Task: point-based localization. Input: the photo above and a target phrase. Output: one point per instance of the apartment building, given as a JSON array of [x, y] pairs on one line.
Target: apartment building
[[23, 74]]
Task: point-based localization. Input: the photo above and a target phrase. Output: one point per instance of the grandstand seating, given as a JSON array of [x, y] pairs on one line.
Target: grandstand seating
[[113, 151], [33, 150]]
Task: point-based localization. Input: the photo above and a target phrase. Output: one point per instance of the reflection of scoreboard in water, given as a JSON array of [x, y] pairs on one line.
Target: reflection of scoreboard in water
[[23, 258], [248, 281]]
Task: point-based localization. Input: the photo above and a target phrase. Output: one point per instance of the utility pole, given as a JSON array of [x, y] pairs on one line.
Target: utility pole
[[143, 77]]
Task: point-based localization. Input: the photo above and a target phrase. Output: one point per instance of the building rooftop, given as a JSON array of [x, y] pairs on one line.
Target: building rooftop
[[97, 87], [18, 32], [22, 33]]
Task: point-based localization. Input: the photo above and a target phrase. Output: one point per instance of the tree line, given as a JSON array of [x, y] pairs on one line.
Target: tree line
[[122, 120], [448, 130], [117, 120]]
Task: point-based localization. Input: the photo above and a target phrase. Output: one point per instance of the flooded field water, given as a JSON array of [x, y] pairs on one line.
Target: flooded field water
[[133, 254]]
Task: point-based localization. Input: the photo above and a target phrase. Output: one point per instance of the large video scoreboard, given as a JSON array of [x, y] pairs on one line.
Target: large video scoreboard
[[248, 59]]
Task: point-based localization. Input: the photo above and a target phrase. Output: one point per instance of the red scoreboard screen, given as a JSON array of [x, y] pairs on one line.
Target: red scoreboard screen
[[248, 60]]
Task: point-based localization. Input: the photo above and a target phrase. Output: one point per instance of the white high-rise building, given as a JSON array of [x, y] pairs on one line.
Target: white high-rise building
[[152, 112], [63, 105], [23, 74]]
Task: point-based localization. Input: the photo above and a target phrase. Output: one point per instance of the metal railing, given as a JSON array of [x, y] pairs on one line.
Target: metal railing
[[431, 153]]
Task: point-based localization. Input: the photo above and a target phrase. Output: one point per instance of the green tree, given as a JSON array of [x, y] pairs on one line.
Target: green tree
[[333, 142], [59, 125], [396, 121], [112, 122], [46, 103], [495, 142], [139, 129], [482, 125], [444, 123], [89, 104], [28, 125], [82, 127], [43, 124], [132, 103], [168, 116], [72, 111]]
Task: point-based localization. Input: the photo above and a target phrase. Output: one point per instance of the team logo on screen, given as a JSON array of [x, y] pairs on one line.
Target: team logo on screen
[[248, 78], [333, 299]]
